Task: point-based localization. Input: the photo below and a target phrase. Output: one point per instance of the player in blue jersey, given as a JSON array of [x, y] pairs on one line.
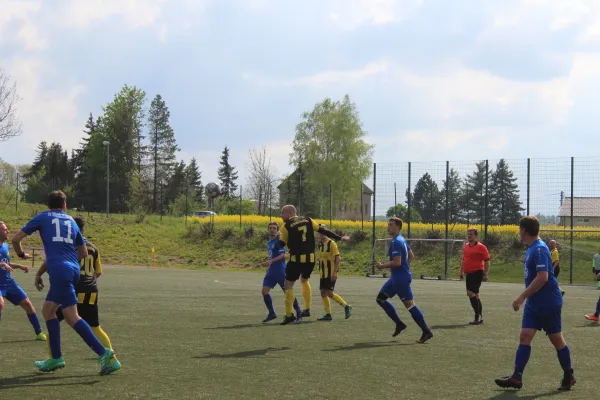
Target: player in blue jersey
[[275, 272], [400, 255], [10, 290], [64, 247], [542, 310]]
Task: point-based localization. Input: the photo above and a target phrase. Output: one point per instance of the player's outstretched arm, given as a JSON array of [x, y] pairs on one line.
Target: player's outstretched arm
[[6, 267], [330, 234], [16, 242], [19, 266]]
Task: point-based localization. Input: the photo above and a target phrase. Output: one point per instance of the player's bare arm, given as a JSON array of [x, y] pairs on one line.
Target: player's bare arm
[[16, 242], [6, 267], [395, 263], [39, 282], [82, 252], [540, 280], [336, 267], [19, 266], [486, 271], [411, 256]]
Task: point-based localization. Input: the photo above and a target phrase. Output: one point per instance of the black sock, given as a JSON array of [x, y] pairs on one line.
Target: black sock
[[475, 304], [480, 307]]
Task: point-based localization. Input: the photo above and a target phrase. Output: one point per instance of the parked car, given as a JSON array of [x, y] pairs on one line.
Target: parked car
[[204, 214]]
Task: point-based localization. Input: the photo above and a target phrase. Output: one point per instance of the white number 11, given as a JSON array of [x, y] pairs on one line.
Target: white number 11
[[59, 238]]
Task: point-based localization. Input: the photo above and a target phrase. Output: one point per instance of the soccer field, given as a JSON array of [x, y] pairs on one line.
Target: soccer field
[[197, 335]]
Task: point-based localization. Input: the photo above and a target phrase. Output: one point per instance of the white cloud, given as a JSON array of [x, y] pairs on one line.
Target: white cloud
[[353, 14], [137, 13], [162, 33], [20, 13]]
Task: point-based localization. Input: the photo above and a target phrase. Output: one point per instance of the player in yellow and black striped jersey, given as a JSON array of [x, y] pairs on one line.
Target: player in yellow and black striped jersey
[[329, 266], [87, 292], [298, 234]]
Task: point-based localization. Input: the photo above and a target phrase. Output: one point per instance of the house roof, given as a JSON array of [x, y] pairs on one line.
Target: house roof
[[582, 207], [366, 190]]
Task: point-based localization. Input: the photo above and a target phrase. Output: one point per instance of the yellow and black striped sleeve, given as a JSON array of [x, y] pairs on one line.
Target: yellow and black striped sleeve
[[98, 263], [283, 238], [334, 250]]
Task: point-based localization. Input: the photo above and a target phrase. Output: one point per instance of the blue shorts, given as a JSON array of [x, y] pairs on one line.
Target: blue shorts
[[402, 289], [13, 293], [62, 286], [271, 280], [548, 319]]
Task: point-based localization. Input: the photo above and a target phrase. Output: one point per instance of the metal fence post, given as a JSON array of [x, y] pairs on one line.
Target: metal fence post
[[572, 201], [528, 183], [485, 211], [447, 219], [374, 195], [408, 194]]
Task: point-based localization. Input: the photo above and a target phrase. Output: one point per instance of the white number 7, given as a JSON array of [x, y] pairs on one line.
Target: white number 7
[[59, 238]]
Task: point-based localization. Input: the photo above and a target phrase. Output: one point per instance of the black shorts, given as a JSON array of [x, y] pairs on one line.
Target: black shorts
[[295, 269], [474, 280], [556, 271], [326, 284], [87, 308]]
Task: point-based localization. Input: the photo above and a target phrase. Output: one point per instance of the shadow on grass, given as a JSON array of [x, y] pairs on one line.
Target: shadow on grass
[[589, 325], [244, 354], [46, 380], [456, 326], [257, 325], [369, 345], [508, 394], [17, 341]]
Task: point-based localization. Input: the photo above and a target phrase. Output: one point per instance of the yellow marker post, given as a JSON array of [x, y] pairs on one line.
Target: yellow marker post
[[154, 257]]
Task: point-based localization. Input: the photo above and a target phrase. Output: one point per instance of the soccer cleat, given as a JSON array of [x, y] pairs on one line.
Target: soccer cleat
[[592, 317], [568, 381], [42, 337], [288, 319], [348, 311], [326, 317], [298, 319], [509, 382], [425, 337], [476, 321], [114, 366], [270, 317], [104, 361], [399, 328], [306, 313], [50, 364]]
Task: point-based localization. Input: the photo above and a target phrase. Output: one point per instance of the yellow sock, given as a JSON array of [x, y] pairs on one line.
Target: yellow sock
[[338, 299], [289, 302], [327, 305], [306, 294], [104, 339]]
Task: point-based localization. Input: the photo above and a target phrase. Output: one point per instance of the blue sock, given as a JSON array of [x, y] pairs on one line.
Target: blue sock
[[86, 333], [297, 307], [53, 326], [419, 318], [597, 314], [269, 303], [521, 359], [564, 357], [390, 311], [35, 322]]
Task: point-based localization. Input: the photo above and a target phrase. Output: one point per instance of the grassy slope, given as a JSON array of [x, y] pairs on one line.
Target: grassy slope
[[123, 241]]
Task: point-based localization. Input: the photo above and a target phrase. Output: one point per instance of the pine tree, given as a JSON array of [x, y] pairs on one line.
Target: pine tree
[[194, 181], [175, 185], [162, 144], [454, 197], [227, 175], [473, 196], [427, 199], [504, 196]]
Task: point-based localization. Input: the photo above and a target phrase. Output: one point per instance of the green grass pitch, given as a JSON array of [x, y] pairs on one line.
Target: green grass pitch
[[183, 334]]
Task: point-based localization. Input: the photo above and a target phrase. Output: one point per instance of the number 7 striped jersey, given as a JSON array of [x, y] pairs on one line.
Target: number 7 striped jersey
[[60, 236]]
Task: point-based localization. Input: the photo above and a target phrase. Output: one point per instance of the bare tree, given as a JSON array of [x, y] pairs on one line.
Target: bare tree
[[9, 123], [262, 178]]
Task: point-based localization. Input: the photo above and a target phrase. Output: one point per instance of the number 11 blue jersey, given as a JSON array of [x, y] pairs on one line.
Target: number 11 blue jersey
[[60, 235]]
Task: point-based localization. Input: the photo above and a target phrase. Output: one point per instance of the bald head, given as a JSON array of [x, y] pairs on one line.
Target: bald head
[[552, 244], [287, 212]]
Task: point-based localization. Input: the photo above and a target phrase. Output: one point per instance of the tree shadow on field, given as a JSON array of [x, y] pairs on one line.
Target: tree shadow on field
[[244, 354], [368, 345], [257, 325], [42, 377], [514, 395], [455, 326]]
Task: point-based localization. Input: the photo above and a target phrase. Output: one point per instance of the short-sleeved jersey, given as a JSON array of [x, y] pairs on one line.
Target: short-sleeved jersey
[[298, 233], [399, 247], [474, 257], [555, 257], [274, 251], [60, 236], [537, 258], [89, 267], [5, 277], [327, 253], [596, 261]]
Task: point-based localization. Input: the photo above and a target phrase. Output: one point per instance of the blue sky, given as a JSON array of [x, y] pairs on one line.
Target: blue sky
[[432, 79]]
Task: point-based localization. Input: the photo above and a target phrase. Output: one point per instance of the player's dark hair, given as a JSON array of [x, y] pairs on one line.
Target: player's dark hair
[[530, 224], [56, 199], [474, 230], [79, 221], [274, 223], [397, 221]]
